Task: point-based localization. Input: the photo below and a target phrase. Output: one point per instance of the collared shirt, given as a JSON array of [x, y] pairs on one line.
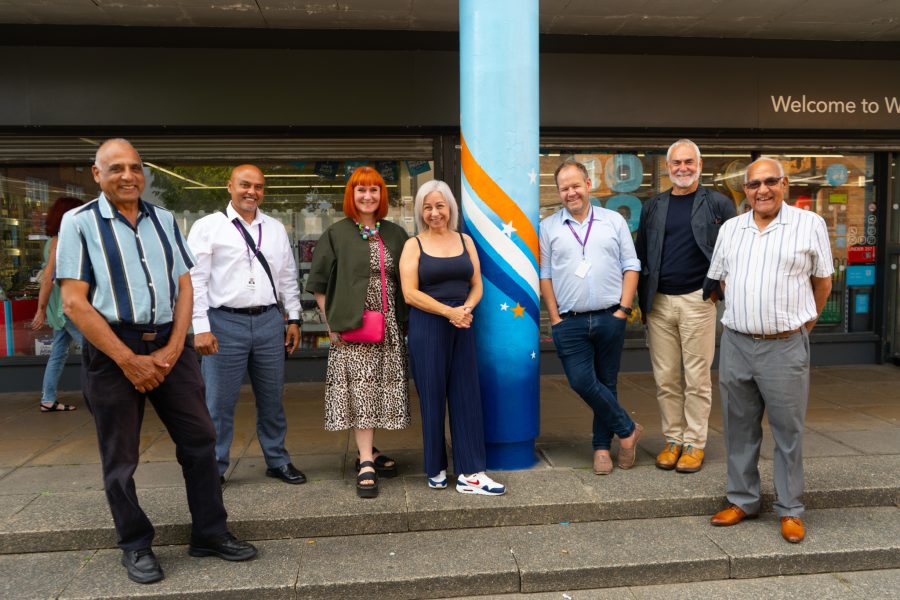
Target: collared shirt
[[766, 273], [133, 271], [609, 250], [225, 265]]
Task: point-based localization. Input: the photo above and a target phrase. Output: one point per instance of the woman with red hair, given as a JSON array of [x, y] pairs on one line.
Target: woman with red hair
[[50, 310], [366, 384]]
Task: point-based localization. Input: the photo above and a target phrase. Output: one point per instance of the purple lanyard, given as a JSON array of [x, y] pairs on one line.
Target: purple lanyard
[[244, 237], [587, 235]]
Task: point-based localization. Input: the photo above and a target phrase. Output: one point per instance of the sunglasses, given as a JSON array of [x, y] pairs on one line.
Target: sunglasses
[[754, 184]]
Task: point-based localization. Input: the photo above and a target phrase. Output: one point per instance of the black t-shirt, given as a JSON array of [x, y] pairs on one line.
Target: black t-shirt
[[684, 266]]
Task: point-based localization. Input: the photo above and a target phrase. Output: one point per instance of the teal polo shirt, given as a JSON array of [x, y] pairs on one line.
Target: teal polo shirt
[[132, 271]]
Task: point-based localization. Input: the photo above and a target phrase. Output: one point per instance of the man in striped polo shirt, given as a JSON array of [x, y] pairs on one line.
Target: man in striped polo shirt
[[775, 267], [123, 268]]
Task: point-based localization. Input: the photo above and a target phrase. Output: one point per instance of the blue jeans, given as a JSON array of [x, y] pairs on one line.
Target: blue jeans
[[57, 361], [252, 344], [590, 348]]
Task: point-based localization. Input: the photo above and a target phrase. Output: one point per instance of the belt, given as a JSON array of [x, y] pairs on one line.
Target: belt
[[572, 313], [250, 310], [771, 336], [145, 333]]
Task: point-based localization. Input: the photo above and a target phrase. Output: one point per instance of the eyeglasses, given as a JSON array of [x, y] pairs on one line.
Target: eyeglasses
[[754, 184]]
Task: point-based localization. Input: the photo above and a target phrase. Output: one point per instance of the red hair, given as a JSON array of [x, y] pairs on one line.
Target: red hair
[[62, 205], [365, 176]]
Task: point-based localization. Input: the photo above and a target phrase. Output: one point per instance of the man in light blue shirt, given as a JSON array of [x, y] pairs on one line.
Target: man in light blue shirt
[[589, 273]]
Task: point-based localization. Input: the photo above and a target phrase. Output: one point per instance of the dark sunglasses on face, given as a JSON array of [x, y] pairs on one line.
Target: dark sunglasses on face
[[754, 184]]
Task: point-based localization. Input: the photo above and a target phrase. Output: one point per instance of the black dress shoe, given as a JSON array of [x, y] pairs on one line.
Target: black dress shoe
[[226, 547], [142, 565], [287, 473]]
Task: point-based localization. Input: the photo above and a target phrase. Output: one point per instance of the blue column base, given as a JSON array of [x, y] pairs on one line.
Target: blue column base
[[511, 456]]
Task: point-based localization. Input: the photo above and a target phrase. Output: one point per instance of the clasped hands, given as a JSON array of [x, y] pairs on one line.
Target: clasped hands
[[147, 372], [460, 316]]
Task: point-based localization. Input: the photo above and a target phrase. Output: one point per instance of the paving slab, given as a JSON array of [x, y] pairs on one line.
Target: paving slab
[[646, 492], [601, 594], [318, 508], [82, 520], [860, 481], [428, 564], [614, 553], [316, 467], [39, 576], [836, 539], [580, 455], [881, 441], [53, 478], [271, 576], [10, 505], [873, 585], [536, 496], [795, 587], [15, 452]]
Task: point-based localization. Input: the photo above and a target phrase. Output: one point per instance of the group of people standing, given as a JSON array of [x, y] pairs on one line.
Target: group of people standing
[[773, 268], [132, 285]]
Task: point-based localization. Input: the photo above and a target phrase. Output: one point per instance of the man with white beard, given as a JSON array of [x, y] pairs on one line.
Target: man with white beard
[[675, 241]]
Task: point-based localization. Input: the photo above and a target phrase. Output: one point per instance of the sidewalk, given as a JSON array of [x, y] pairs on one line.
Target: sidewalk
[[853, 412]]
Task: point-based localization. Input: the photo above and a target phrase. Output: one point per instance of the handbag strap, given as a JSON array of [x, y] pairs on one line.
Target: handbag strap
[[384, 306]]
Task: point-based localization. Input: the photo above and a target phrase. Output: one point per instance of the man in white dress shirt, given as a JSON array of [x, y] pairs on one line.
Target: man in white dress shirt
[[775, 266], [244, 264]]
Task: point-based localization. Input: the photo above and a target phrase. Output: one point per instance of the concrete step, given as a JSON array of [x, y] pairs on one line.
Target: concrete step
[[498, 560], [263, 510]]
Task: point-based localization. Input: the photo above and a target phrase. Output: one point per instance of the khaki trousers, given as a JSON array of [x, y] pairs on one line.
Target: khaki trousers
[[682, 337]]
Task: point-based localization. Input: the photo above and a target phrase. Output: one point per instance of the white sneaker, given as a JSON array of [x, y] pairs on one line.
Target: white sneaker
[[479, 483], [439, 481]]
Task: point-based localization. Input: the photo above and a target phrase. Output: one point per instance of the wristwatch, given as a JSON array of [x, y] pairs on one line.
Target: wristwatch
[[626, 309]]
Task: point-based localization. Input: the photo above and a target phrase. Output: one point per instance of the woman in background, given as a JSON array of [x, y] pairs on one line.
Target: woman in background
[[50, 311]]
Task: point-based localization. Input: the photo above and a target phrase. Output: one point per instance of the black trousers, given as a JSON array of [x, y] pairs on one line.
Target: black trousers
[[118, 411]]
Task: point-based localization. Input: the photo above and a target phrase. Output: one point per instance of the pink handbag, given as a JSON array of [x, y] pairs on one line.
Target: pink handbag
[[372, 329]]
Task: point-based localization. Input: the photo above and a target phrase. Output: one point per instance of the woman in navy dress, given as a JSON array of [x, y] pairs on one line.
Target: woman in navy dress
[[441, 280]]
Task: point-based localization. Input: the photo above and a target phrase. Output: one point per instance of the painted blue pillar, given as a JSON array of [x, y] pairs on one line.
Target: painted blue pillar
[[499, 121]]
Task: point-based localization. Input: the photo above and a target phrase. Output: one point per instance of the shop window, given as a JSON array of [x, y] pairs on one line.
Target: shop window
[[305, 196], [623, 180], [840, 188]]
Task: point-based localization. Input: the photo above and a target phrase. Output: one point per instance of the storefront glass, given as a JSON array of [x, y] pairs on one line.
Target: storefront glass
[[305, 196], [623, 180], [839, 187]]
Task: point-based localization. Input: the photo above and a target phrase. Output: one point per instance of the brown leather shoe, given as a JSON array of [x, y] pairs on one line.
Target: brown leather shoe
[[730, 516], [792, 529], [691, 460], [666, 459], [628, 455], [602, 463]]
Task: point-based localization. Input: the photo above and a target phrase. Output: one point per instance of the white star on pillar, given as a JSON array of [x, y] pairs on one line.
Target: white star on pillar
[[508, 229], [504, 306], [533, 355], [532, 177]]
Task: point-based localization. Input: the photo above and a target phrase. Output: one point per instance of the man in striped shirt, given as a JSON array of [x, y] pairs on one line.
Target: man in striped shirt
[[775, 266], [124, 274]]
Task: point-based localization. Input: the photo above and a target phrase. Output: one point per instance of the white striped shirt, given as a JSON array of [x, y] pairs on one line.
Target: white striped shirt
[[766, 273]]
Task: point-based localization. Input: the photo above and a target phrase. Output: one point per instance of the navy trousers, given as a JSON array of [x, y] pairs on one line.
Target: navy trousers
[[443, 362]]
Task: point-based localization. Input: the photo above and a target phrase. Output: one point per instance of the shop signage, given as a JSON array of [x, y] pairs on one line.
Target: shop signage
[[860, 254]]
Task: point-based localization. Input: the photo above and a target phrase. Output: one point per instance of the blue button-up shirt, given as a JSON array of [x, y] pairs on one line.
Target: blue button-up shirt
[[609, 250], [133, 271]]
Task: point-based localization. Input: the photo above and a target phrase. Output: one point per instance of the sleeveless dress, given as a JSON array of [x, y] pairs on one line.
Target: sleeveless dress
[[367, 384]]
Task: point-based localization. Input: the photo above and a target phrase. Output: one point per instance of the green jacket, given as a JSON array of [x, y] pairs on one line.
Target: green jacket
[[340, 270]]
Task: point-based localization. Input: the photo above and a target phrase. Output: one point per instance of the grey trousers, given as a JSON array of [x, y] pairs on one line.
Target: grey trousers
[[770, 375]]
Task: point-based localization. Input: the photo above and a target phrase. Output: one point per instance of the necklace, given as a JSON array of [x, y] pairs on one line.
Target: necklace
[[367, 232]]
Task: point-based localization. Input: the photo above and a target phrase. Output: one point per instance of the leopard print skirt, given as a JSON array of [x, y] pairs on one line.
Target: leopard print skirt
[[367, 384]]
